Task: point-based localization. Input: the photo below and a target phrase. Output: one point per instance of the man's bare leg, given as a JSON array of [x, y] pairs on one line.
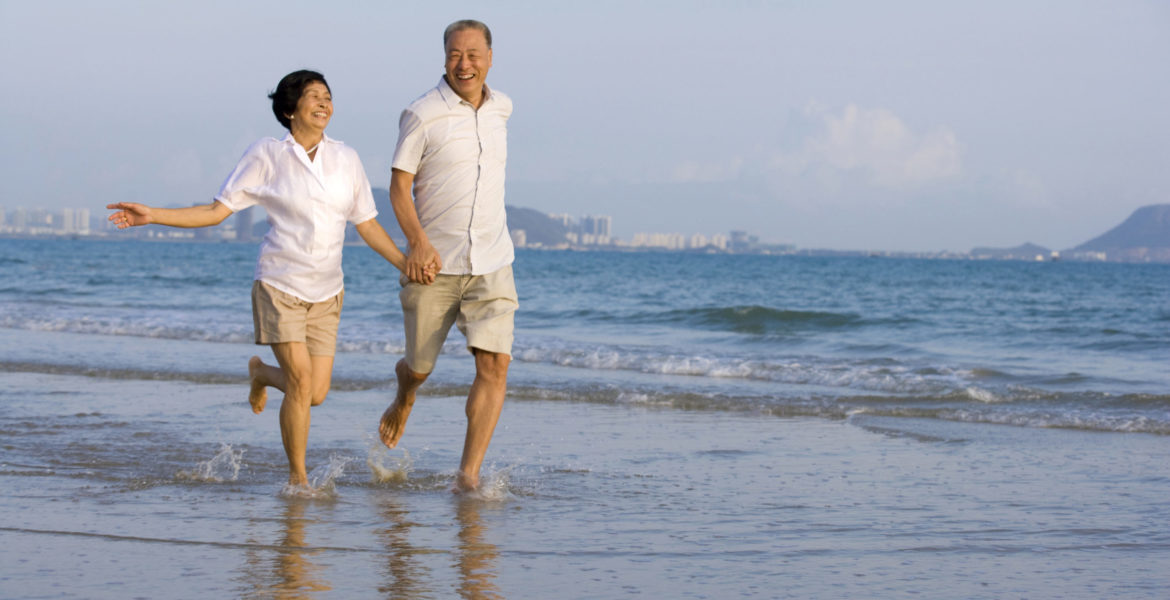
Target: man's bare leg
[[394, 419], [297, 366], [484, 404]]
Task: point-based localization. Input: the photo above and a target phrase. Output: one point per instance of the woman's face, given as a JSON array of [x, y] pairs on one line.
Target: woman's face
[[314, 109]]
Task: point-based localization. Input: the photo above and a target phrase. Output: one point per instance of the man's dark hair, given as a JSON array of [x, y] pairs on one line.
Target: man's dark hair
[[289, 91]]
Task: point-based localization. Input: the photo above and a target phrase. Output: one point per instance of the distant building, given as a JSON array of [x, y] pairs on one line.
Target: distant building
[[519, 238], [563, 219], [590, 230], [598, 226], [74, 221]]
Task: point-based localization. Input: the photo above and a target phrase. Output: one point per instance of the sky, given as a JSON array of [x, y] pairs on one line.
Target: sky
[[894, 125]]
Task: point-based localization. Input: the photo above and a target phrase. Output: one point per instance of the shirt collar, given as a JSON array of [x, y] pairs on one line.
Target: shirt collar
[[452, 99], [290, 140]]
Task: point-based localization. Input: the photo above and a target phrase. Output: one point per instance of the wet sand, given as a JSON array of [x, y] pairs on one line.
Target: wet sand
[[130, 488]]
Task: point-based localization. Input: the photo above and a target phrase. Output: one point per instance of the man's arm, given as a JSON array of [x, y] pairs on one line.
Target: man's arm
[[132, 214], [421, 256]]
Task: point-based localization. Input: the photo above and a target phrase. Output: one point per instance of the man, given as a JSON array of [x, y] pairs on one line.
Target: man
[[452, 146]]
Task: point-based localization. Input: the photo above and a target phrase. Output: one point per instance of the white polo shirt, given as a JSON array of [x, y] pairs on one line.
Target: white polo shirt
[[308, 203], [457, 155]]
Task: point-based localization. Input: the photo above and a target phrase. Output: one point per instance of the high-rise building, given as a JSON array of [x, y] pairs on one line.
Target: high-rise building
[[74, 220], [598, 225]]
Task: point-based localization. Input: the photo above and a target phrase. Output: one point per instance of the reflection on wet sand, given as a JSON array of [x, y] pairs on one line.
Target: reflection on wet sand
[[408, 574], [405, 572], [292, 574], [476, 559]]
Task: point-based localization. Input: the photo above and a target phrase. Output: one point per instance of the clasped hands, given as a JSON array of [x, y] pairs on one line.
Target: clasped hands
[[422, 265]]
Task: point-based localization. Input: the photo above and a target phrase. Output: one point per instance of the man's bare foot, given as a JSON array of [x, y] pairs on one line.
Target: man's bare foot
[[393, 423], [258, 395]]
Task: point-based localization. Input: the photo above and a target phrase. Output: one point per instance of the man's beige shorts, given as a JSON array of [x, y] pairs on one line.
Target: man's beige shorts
[[282, 317], [482, 306]]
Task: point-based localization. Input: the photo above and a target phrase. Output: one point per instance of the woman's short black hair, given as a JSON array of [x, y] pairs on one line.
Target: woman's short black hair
[[288, 92]]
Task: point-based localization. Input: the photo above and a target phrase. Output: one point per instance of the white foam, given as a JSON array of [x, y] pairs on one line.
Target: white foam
[[984, 396]]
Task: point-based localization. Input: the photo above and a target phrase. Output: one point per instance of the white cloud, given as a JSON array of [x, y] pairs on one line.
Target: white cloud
[[876, 143]]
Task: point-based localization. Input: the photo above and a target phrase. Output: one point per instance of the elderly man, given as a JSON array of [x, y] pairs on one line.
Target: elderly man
[[452, 147]]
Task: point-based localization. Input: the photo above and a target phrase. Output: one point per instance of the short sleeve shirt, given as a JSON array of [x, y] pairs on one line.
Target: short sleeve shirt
[[308, 204], [457, 155]]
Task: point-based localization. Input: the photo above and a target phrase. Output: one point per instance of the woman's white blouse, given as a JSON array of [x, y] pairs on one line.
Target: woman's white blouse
[[308, 204]]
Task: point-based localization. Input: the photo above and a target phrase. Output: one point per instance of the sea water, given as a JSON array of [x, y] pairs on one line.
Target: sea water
[[678, 425]]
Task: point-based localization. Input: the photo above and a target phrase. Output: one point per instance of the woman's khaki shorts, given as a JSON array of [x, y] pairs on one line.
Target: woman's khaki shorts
[[482, 306], [282, 317]]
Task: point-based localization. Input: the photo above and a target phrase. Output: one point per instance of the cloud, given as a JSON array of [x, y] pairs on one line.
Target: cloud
[[873, 142]]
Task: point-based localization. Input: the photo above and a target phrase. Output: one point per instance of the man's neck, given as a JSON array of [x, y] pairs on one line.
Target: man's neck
[[475, 102]]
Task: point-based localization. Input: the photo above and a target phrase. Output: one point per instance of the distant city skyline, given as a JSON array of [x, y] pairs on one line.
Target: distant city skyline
[[901, 125], [582, 232]]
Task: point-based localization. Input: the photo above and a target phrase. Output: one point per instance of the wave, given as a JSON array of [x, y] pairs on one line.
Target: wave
[[749, 319], [745, 319], [882, 375], [1091, 412], [158, 327], [1015, 406]]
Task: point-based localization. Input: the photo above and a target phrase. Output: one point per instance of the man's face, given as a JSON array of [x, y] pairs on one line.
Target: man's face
[[468, 61]]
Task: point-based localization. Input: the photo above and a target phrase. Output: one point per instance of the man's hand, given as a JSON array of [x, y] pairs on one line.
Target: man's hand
[[422, 264]]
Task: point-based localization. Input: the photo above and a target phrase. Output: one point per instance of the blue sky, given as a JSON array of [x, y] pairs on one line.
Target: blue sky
[[857, 125]]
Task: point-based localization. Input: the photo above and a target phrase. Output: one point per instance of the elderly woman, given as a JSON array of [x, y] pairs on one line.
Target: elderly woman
[[310, 186]]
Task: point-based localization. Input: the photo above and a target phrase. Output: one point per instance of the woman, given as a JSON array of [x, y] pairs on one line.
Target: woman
[[310, 186]]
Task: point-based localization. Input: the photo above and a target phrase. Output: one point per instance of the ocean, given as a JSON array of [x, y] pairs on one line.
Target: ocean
[[678, 425]]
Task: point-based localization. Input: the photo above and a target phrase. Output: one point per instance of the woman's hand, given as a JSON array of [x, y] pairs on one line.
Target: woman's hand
[[422, 264], [130, 214]]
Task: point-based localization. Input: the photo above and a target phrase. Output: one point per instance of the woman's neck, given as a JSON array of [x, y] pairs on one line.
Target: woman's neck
[[308, 139]]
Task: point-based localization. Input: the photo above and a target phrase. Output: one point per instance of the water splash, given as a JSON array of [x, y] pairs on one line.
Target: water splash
[[224, 466], [322, 480], [385, 468], [495, 486]]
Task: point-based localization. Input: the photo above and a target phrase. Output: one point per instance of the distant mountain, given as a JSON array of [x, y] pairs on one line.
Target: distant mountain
[[1025, 252], [538, 227], [1144, 236]]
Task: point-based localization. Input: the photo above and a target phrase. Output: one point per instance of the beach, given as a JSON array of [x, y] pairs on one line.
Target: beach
[[127, 489], [895, 438]]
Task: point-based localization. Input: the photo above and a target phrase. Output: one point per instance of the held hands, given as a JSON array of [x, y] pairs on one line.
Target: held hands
[[130, 214], [422, 264]]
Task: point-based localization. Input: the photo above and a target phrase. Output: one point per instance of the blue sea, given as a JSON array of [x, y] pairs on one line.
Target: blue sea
[[678, 425]]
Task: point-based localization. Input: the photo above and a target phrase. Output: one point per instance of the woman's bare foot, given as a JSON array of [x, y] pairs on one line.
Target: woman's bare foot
[[258, 394], [464, 483]]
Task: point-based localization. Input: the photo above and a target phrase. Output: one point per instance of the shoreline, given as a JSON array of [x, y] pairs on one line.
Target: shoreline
[[592, 497]]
